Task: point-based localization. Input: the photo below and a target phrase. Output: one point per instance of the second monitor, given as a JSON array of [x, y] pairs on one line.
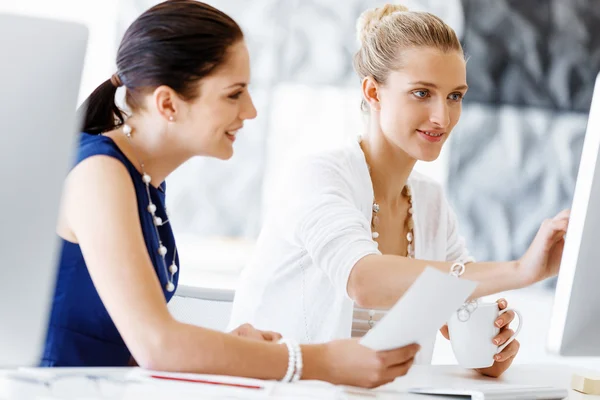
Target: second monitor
[[575, 324]]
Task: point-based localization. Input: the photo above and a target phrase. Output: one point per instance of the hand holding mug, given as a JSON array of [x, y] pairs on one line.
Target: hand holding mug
[[481, 337]]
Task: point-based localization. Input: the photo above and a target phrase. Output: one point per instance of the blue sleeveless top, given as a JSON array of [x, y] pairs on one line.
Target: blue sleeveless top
[[80, 331]]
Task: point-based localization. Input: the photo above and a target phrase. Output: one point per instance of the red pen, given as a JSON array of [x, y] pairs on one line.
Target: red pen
[[238, 385]]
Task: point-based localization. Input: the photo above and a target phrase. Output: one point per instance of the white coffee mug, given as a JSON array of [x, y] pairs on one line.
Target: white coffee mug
[[472, 331]]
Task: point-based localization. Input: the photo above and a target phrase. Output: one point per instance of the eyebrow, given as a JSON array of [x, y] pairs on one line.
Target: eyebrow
[[434, 86], [241, 84]]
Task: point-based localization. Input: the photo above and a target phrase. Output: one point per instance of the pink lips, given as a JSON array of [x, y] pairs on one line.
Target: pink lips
[[232, 137], [432, 139]]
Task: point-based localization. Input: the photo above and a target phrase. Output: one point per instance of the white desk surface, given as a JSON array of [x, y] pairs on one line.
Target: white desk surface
[[420, 375]]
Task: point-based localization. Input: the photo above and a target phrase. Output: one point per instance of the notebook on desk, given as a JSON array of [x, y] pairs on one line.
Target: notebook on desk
[[497, 391]]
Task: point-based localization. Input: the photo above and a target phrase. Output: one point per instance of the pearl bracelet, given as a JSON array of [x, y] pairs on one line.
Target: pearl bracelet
[[295, 364], [299, 363]]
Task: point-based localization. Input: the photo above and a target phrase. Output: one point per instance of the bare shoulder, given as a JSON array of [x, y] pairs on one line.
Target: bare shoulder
[[99, 167], [99, 185]]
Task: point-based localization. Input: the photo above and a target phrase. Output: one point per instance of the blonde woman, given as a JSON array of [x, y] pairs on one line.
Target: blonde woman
[[352, 228]]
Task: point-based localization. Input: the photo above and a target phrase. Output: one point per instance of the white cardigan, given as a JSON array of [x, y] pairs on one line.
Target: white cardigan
[[314, 234]]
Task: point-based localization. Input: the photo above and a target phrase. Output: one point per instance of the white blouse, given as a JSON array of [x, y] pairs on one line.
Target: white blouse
[[318, 228]]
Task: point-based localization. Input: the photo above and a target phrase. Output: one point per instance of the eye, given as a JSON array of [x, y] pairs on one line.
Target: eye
[[236, 95], [456, 96], [421, 94]]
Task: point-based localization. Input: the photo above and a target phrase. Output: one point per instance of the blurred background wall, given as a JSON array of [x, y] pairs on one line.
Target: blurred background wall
[[515, 154]]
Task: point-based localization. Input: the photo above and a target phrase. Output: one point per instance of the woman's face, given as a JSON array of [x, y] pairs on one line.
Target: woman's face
[[210, 122], [421, 102]]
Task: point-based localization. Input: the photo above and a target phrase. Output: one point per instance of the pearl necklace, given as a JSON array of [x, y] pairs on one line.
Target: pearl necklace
[[409, 225], [157, 221]]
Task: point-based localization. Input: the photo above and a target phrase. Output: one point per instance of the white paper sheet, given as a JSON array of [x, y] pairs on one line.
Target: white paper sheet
[[425, 307]]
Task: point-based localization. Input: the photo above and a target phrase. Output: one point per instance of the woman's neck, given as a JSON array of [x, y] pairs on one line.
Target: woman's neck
[[389, 166], [149, 144]]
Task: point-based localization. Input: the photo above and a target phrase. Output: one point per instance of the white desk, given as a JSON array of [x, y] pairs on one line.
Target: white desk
[[76, 388], [542, 375]]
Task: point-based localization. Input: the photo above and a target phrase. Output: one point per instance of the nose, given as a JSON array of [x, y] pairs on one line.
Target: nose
[[248, 111], [440, 114]]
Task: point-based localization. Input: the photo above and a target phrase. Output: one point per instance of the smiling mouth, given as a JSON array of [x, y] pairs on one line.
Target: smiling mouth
[[431, 134], [431, 137]]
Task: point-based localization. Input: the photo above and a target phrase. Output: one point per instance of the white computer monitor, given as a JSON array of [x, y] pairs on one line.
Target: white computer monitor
[[41, 62], [575, 323]]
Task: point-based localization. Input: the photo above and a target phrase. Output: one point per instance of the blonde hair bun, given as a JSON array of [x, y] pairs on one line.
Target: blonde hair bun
[[385, 31], [369, 19]]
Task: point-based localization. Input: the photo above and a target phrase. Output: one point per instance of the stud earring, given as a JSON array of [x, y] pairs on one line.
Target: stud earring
[[171, 118]]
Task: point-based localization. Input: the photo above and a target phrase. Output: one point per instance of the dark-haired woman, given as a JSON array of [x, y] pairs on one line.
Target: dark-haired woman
[[185, 69]]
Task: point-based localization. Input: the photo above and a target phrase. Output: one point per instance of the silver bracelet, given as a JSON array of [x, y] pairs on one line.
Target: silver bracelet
[[457, 269], [465, 311], [291, 369]]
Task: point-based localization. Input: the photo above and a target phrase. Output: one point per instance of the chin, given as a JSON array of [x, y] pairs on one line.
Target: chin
[[427, 156], [219, 154], [223, 155], [226, 154]]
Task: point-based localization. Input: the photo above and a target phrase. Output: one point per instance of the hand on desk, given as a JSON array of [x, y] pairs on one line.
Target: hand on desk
[[248, 331], [504, 359]]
